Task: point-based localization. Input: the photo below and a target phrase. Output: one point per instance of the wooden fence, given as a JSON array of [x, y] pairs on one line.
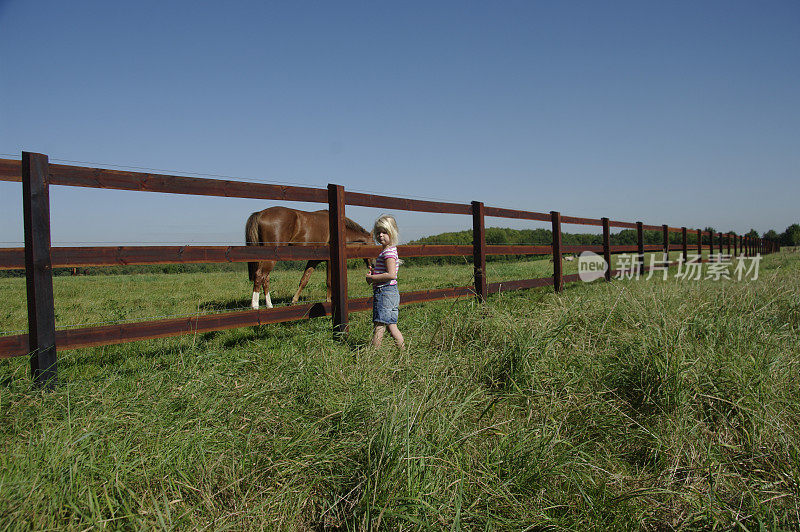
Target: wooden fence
[[38, 258]]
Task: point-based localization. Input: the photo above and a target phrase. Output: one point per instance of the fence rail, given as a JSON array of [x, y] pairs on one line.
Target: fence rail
[[67, 257], [38, 258]]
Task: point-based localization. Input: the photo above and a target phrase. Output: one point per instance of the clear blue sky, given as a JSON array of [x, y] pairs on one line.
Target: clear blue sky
[[683, 113]]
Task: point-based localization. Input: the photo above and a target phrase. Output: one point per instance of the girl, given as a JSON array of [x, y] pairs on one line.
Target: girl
[[383, 278]]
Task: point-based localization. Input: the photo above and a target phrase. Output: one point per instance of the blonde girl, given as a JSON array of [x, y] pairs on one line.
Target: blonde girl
[[383, 278]]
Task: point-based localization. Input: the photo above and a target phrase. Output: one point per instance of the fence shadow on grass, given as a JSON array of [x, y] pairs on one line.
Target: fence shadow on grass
[[240, 304]]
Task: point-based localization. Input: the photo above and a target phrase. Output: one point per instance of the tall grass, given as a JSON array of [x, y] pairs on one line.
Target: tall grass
[[657, 405]]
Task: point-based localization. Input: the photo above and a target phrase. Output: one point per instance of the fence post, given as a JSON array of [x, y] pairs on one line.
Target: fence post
[[338, 262], [719, 236], [700, 245], [665, 232], [479, 250], [684, 245], [728, 240], [39, 269], [640, 246], [734, 238], [558, 280], [710, 245], [607, 247]]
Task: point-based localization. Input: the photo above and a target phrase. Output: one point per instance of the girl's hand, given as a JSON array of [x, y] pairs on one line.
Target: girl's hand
[[369, 276]]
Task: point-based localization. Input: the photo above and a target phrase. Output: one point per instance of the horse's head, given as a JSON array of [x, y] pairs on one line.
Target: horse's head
[[355, 234]]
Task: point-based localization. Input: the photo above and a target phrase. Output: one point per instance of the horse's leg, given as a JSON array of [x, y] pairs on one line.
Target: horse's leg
[[257, 281], [268, 266], [310, 265], [262, 282]]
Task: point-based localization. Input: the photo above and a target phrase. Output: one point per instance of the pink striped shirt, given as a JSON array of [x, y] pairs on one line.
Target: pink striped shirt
[[380, 264]]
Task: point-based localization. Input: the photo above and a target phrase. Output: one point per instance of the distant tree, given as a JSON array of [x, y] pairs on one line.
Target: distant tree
[[752, 234], [772, 235], [791, 237], [626, 237], [497, 235], [706, 235]]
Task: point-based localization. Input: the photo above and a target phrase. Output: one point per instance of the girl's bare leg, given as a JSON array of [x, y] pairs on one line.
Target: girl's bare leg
[[397, 335], [377, 335]]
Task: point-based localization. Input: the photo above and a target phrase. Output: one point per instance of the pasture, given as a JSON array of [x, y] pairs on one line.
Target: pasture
[[653, 404]]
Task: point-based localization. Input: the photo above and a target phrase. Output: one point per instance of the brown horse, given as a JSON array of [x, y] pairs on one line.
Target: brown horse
[[281, 225]]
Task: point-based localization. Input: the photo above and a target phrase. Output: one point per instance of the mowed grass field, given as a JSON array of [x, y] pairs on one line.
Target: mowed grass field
[[654, 405]]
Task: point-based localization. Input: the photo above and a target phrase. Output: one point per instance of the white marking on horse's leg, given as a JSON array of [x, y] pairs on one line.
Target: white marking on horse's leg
[[254, 304], [269, 301]]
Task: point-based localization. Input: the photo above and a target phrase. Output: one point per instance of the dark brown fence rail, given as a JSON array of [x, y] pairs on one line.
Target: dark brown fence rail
[[38, 258]]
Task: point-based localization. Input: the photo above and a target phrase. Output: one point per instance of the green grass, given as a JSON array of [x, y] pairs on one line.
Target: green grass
[[100, 299], [655, 404]]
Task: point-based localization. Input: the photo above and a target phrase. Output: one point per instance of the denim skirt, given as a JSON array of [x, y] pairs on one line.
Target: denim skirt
[[385, 304]]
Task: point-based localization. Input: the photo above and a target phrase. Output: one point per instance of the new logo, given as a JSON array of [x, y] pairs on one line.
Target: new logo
[[591, 266]]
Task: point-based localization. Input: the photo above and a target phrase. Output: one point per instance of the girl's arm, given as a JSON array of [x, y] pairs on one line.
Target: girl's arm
[[390, 275]]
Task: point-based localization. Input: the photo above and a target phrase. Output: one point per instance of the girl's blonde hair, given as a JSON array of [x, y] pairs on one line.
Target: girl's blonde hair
[[387, 224]]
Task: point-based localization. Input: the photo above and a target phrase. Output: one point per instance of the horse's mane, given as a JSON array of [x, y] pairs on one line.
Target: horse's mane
[[350, 224]]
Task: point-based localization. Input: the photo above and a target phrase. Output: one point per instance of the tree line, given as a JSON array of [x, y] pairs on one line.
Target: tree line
[[625, 237], [505, 235]]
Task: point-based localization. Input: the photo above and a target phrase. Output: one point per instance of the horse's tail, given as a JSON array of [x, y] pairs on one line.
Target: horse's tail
[[251, 238]]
